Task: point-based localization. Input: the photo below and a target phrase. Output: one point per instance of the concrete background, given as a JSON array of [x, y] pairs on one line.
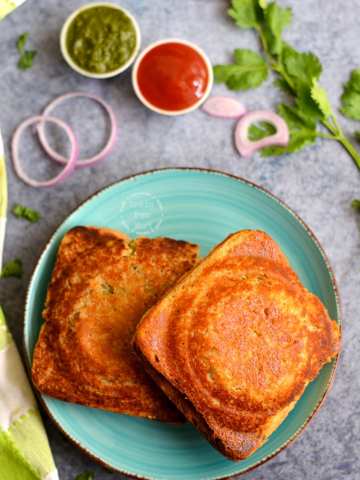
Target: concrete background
[[319, 182]]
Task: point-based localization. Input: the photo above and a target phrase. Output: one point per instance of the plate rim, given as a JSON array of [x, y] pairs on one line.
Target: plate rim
[[203, 170]]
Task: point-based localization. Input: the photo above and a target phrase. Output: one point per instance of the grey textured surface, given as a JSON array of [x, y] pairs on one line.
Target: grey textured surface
[[319, 183]]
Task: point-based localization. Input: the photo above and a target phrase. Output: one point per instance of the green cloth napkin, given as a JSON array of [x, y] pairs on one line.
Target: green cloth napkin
[[24, 449], [7, 6]]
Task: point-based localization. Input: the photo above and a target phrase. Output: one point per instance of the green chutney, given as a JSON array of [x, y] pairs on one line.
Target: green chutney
[[101, 39]]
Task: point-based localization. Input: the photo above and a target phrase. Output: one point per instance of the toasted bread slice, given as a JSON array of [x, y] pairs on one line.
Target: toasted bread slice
[[236, 341], [101, 285]]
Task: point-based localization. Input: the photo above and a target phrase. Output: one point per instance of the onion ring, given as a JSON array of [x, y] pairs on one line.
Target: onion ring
[[247, 147], [87, 162], [71, 161]]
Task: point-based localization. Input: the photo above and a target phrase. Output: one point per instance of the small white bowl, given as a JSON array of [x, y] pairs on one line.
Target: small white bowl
[[74, 65], [172, 112]]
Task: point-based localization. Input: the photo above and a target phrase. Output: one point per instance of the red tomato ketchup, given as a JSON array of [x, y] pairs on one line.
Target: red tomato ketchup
[[173, 76]]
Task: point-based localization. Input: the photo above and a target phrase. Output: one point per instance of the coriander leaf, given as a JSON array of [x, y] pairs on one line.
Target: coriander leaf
[[260, 130], [298, 140], [302, 67], [356, 204], [294, 118], [21, 42], [307, 105], [350, 99], [26, 56], [301, 129], [26, 60], [354, 81], [12, 269], [350, 105], [276, 19], [283, 85], [20, 211], [245, 13], [85, 476], [319, 95], [249, 71]]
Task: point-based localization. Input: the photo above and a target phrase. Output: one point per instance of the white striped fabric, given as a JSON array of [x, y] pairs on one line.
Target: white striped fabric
[[24, 449], [16, 396]]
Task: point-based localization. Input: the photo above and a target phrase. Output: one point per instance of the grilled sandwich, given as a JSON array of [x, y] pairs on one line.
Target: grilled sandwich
[[235, 343], [101, 286]]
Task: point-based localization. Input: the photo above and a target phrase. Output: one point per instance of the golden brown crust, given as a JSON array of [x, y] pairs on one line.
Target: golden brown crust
[[101, 285], [235, 343]]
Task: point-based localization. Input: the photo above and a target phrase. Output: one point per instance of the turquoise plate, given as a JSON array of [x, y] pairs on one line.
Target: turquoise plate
[[203, 207]]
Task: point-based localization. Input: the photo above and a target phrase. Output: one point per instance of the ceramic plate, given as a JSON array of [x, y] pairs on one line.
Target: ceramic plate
[[199, 206]]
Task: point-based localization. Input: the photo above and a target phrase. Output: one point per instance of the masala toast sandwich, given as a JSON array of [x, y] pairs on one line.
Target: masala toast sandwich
[[235, 343], [101, 286]]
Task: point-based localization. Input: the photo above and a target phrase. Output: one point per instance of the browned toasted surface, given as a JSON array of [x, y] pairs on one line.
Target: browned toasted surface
[[101, 285], [236, 341]]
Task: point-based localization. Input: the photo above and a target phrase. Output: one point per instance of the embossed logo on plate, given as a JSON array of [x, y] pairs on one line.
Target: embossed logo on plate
[[143, 213]]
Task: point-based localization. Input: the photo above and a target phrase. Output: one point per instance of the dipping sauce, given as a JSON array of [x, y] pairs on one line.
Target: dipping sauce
[[173, 76], [101, 39]]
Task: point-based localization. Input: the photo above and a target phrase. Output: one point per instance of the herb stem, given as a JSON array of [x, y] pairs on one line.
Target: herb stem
[[339, 136], [262, 39], [285, 76], [271, 59], [349, 147], [335, 130], [328, 137], [337, 125]]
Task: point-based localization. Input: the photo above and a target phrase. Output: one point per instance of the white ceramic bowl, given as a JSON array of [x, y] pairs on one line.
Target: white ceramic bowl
[[74, 65], [172, 112]]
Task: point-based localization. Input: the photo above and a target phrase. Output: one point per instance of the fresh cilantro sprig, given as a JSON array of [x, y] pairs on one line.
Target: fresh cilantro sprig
[[26, 56], [249, 70], [27, 213], [13, 268], [308, 113], [350, 99]]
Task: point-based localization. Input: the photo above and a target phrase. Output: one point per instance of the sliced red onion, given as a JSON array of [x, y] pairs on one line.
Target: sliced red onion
[[246, 147], [87, 162], [70, 162], [224, 107]]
